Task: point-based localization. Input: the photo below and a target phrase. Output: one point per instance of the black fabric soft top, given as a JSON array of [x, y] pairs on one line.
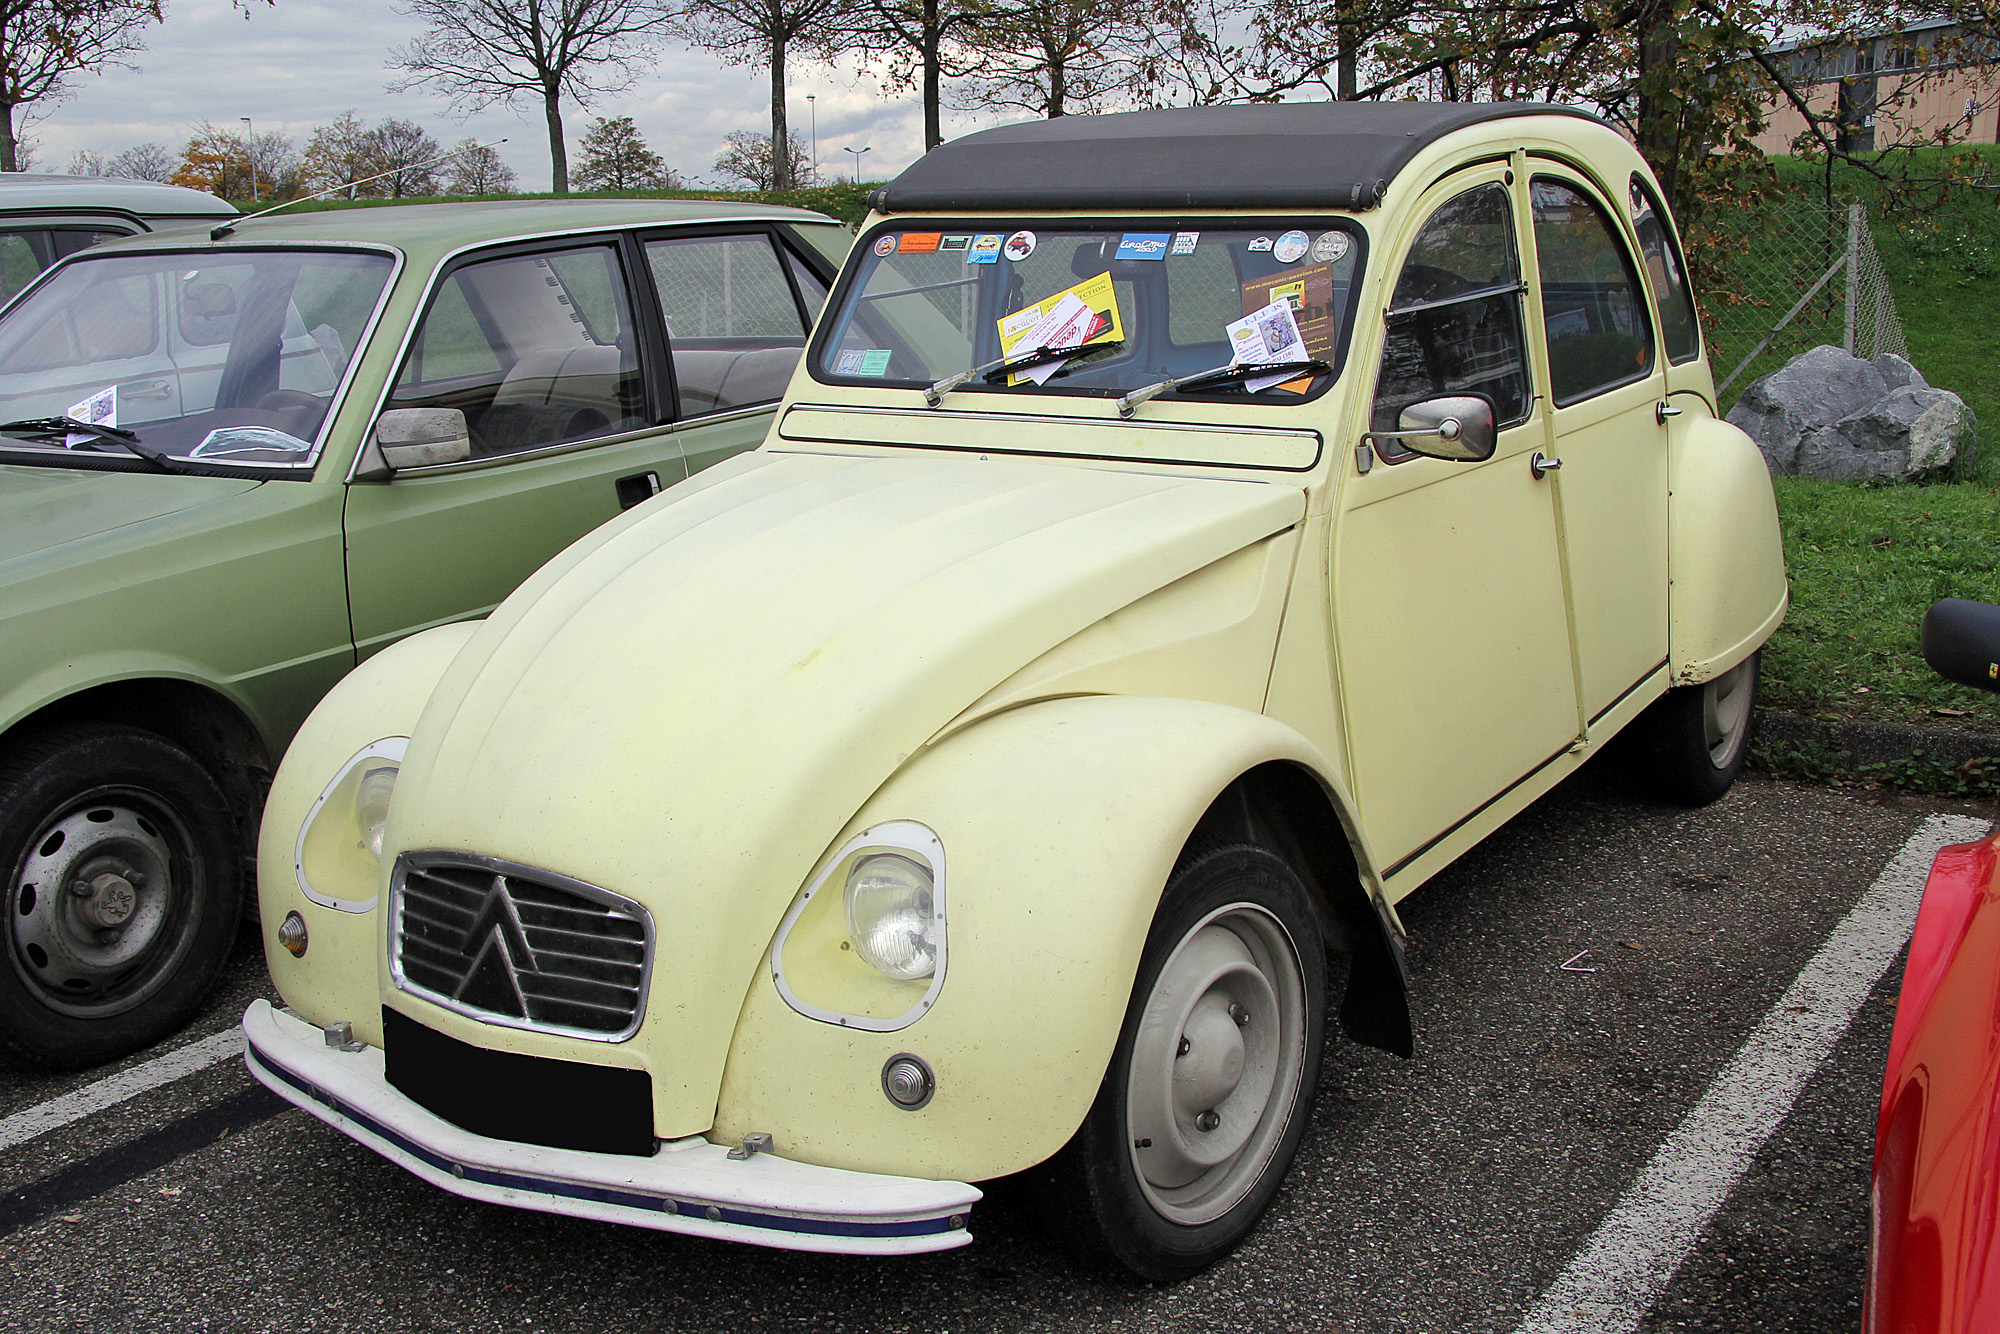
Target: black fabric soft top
[[1269, 155]]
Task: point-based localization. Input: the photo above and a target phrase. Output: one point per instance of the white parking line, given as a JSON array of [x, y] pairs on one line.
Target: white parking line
[[177, 1064], [1627, 1263]]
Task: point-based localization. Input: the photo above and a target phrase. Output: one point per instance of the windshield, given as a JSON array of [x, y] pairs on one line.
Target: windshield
[[228, 357], [1136, 307]]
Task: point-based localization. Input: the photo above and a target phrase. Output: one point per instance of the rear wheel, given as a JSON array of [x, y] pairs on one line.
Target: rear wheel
[[1209, 1089], [1697, 736], [122, 892]]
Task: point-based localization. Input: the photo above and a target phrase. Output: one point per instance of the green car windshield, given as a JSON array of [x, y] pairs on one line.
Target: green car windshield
[[224, 357], [1009, 302]]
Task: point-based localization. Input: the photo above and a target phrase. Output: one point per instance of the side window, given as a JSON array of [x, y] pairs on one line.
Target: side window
[[25, 253], [1592, 306], [1454, 323], [536, 350], [732, 321], [1662, 257], [811, 290]]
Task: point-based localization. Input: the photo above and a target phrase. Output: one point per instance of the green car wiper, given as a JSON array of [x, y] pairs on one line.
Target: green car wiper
[[995, 371], [117, 435], [1209, 379]]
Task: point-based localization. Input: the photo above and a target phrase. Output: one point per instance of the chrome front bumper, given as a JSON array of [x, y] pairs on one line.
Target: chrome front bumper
[[689, 1186]]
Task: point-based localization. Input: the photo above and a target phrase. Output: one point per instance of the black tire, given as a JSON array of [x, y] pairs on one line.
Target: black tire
[[1695, 737], [122, 893], [1239, 917]]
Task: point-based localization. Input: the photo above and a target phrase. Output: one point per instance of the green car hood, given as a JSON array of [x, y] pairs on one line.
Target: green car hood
[[43, 508], [688, 706]]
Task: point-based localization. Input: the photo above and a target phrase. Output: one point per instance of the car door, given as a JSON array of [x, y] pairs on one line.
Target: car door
[[1449, 621], [552, 357], [738, 305], [1605, 379], [27, 247]]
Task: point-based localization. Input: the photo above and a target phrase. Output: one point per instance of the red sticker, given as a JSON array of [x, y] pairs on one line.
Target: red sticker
[[919, 243]]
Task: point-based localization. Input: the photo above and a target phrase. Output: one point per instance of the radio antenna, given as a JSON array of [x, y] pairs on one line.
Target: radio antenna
[[217, 233]]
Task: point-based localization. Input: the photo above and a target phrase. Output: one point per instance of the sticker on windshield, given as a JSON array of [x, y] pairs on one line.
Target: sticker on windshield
[[954, 244], [1185, 242], [1267, 337], [1020, 245], [918, 243], [1330, 247], [863, 361], [1075, 317], [1261, 243], [254, 444], [1142, 245], [985, 249], [1290, 248], [885, 245]]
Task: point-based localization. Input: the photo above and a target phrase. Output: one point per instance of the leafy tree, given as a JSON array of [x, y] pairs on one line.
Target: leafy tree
[[476, 169], [1052, 57], [746, 157], [770, 33], [219, 162], [44, 44], [479, 52], [919, 39], [142, 162], [615, 157], [406, 151]]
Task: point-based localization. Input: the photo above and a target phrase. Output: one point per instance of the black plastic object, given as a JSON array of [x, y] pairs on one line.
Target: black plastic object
[[1962, 642], [527, 1099], [1276, 155]]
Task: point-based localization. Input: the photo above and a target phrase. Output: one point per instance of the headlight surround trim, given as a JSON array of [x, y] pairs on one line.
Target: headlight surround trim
[[388, 752]]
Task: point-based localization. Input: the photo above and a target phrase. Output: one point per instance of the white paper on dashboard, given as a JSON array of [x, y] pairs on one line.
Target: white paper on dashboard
[[1267, 337], [100, 409], [1066, 324]]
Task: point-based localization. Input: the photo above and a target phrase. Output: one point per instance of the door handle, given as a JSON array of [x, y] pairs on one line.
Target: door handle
[[1663, 410], [147, 389], [1541, 465], [637, 489]]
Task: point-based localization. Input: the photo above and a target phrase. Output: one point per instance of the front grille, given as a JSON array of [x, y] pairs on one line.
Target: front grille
[[519, 947]]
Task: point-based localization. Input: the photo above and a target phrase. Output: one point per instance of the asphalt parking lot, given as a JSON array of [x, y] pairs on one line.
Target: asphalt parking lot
[[1448, 1192]]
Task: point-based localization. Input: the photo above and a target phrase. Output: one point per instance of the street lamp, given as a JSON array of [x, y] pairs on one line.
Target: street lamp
[[250, 151], [857, 160], [814, 108]]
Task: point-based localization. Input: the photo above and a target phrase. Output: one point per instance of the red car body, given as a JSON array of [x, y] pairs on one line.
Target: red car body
[[1934, 1266]]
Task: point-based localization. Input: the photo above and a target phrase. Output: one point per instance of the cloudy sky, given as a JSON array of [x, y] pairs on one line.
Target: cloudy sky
[[304, 62]]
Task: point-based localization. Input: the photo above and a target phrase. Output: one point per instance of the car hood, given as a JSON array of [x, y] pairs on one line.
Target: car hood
[[687, 707], [42, 508]]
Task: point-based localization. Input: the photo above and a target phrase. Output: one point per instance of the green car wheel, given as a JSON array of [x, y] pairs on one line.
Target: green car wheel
[[123, 892]]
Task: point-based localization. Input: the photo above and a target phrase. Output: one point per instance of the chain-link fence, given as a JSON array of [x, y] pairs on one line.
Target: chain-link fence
[[1775, 281]]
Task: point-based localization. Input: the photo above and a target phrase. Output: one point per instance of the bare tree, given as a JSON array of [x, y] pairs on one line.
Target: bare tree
[[142, 162], [918, 38], [476, 169], [1052, 57], [770, 33], [746, 157], [342, 151], [44, 44], [83, 162], [479, 52], [406, 151]]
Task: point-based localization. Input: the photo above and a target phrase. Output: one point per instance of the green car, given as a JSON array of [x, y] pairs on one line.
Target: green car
[[235, 464]]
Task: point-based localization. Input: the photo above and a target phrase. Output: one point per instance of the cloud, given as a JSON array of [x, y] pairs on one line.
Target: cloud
[[306, 61]]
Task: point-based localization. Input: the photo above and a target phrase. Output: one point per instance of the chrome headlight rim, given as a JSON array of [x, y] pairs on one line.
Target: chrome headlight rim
[[907, 838], [390, 749]]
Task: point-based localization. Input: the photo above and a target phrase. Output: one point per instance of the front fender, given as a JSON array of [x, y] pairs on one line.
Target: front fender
[[338, 977], [1723, 550], [1061, 822]]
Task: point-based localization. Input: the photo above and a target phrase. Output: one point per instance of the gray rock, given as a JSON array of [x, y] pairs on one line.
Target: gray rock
[[1828, 414]]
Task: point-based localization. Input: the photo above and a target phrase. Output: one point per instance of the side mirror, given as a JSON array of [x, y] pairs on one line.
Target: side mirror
[[422, 437], [1962, 642], [1457, 427]]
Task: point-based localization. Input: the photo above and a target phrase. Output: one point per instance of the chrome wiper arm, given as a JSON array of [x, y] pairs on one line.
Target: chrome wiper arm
[[996, 370], [1216, 375]]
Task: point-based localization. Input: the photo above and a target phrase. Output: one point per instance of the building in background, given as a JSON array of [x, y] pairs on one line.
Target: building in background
[[1894, 88]]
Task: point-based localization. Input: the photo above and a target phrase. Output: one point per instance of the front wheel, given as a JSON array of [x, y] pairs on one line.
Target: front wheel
[[122, 892], [1210, 1086], [1697, 736]]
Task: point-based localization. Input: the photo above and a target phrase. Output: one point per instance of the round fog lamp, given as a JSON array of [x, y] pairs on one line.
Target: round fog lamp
[[292, 935], [908, 1081], [892, 915]]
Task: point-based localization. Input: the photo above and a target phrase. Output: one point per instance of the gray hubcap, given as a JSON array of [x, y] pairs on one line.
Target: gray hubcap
[[1216, 1064], [98, 910], [1725, 712]]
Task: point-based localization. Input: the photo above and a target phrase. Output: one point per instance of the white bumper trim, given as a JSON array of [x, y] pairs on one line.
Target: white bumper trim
[[689, 1186]]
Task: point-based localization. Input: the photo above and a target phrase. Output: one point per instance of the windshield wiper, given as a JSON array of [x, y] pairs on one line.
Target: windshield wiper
[[995, 371], [117, 435], [1219, 375]]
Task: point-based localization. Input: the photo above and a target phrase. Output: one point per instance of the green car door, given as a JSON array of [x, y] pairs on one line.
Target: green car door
[[557, 355]]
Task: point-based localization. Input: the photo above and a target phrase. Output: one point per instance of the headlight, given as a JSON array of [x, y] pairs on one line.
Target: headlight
[[339, 851], [892, 915]]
